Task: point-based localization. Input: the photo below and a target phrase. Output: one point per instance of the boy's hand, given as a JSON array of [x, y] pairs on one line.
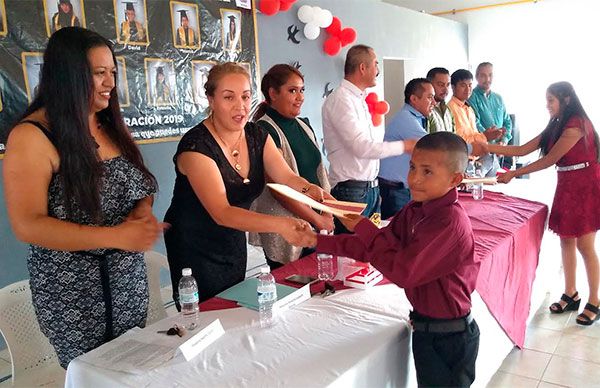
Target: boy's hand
[[351, 220]]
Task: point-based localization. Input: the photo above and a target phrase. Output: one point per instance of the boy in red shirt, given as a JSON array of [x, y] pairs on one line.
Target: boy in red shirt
[[427, 249]]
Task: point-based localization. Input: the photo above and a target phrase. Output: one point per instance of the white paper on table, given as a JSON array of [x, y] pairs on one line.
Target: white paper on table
[[293, 194], [130, 355]]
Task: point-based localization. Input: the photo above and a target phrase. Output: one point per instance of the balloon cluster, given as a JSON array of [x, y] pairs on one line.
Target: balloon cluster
[[271, 7], [377, 108], [338, 37], [315, 19]]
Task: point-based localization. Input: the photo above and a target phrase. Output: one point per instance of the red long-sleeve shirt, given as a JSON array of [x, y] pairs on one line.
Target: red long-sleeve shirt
[[427, 249]]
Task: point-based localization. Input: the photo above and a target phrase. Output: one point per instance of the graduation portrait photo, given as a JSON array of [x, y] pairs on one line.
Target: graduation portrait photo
[[231, 29], [3, 25], [200, 71], [63, 13], [160, 81], [185, 25], [131, 22], [32, 70], [122, 86]]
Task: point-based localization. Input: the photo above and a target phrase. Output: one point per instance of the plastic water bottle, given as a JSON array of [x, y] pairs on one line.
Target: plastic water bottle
[[266, 291], [325, 263], [478, 187], [188, 298]]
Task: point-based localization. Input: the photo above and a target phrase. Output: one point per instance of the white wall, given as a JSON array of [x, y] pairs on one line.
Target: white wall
[[533, 45]]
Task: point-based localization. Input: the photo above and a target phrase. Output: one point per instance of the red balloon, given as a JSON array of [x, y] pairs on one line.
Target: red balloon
[[335, 27], [371, 98], [285, 5], [347, 35], [377, 119], [382, 107], [332, 46], [269, 7]]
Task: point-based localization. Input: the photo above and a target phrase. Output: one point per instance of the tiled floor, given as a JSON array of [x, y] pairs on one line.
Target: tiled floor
[[557, 352]]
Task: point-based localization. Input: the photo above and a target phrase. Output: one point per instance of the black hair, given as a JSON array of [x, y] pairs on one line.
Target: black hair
[[355, 56], [570, 106], [435, 71], [415, 87], [66, 93], [453, 145], [460, 75], [275, 78]]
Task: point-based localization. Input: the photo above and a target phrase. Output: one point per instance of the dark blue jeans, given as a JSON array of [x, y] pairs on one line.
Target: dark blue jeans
[[392, 200], [344, 191]]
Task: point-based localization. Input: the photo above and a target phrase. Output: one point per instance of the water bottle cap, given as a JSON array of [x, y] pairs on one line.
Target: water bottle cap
[[186, 272], [265, 269]]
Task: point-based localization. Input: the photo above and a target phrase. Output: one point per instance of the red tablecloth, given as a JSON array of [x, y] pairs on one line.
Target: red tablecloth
[[508, 235]]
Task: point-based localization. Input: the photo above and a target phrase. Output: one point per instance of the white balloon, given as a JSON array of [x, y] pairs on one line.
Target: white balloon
[[311, 31], [306, 14], [324, 18]]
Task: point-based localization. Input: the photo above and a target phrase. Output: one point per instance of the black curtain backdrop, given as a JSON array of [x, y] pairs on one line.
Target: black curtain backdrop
[[152, 113]]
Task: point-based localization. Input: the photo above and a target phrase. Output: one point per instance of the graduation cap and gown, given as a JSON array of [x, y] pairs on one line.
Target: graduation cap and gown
[[162, 91], [232, 38], [132, 30], [185, 36], [61, 19]]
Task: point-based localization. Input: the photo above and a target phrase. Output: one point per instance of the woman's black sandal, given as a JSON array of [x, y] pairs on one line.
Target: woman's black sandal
[[583, 319], [572, 304]]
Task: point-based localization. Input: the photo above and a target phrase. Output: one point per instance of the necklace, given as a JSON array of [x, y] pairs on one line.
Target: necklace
[[235, 152]]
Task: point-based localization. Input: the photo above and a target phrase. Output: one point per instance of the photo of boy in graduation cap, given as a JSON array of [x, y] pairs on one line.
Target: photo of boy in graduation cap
[[132, 29], [63, 13], [231, 26], [185, 16], [160, 78], [3, 26], [32, 70]]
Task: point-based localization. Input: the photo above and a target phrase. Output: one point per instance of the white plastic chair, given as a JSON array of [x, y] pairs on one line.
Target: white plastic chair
[[34, 361], [156, 306]]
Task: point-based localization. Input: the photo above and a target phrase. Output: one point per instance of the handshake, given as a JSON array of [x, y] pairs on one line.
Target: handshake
[[492, 133]]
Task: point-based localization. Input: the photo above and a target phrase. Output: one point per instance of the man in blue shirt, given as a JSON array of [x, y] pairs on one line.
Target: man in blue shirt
[[409, 123], [488, 106]]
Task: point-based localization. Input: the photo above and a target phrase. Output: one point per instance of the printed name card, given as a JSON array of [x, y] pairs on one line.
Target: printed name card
[[192, 347], [296, 297]]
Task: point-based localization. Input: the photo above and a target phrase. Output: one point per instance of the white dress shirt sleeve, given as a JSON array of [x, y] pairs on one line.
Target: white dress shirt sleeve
[[355, 134]]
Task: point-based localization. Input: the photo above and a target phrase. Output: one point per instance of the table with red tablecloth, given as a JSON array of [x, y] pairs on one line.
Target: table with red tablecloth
[[508, 233]]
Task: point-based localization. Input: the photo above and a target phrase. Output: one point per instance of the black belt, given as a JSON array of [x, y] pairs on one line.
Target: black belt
[[396, 185], [360, 184], [441, 325], [102, 259]]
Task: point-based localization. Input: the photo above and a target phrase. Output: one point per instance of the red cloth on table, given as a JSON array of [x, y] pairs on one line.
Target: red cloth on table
[[508, 235]]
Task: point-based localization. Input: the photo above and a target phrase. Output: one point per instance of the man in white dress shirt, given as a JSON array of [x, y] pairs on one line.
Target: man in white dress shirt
[[353, 145]]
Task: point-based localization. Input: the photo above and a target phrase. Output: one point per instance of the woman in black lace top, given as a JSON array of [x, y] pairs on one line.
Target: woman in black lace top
[[221, 166]]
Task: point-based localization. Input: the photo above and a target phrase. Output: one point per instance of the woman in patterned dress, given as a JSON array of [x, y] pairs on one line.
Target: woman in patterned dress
[[78, 192], [571, 142]]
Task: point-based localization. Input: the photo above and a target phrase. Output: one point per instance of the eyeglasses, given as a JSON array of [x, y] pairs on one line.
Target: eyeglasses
[[175, 330]]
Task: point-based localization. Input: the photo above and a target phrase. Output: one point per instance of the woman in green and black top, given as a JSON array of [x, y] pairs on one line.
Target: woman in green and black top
[[283, 89]]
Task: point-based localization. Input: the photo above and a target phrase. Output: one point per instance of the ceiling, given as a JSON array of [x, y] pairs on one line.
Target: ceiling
[[434, 6]]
